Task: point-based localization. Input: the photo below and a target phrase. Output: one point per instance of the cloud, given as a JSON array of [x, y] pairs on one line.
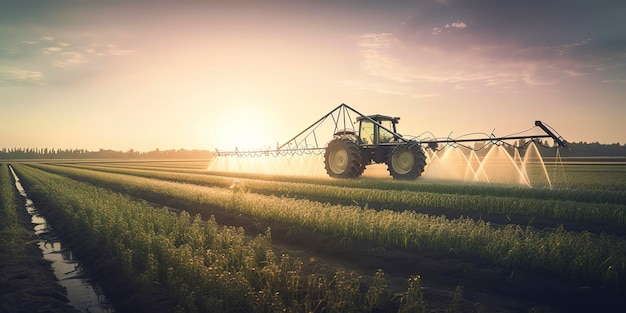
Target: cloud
[[64, 54], [376, 41], [107, 50], [462, 63], [19, 77], [374, 58], [457, 24], [114, 50], [50, 50], [506, 44], [70, 58], [44, 61], [574, 73], [614, 81], [448, 27], [388, 88], [568, 48]]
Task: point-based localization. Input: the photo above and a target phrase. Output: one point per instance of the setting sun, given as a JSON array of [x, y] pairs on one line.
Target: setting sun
[[244, 128]]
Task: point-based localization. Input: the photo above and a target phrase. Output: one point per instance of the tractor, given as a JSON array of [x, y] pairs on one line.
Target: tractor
[[377, 141]]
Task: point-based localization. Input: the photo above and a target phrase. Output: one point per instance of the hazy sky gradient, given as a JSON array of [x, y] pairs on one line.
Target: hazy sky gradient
[[196, 74]]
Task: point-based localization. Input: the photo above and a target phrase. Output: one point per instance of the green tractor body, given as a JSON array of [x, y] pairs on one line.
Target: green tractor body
[[377, 141]]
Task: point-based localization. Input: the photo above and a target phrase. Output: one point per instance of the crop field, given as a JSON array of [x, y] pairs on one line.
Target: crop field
[[164, 236]]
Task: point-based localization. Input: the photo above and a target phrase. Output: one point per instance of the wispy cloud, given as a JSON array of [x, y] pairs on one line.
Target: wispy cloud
[[45, 60], [448, 27], [387, 88], [509, 46], [376, 60], [457, 24], [64, 54], [376, 41], [51, 50], [567, 48], [108, 49], [19, 77], [507, 66], [71, 58]]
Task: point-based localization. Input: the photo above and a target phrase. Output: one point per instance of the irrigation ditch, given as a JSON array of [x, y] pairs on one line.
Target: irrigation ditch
[[83, 294]]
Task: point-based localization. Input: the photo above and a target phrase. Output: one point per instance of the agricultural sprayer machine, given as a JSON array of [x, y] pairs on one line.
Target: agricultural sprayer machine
[[360, 140]]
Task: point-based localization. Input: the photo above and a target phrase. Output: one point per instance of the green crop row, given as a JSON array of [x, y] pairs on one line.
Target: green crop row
[[587, 186], [203, 267], [582, 212], [580, 257], [596, 178], [8, 213], [594, 184], [12, 235]]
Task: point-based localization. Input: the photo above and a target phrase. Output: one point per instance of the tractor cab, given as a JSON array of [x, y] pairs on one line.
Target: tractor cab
[[377, 129]]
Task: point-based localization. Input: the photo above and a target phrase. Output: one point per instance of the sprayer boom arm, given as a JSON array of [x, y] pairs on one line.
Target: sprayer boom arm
[[549, 134], [558, 139]]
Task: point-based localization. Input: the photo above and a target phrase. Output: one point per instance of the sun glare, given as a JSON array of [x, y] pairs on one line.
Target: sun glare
[[245, 129]]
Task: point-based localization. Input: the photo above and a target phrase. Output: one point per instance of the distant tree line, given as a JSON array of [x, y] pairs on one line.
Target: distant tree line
[[46, 153], [579, 149], [584, 149], [594, 149]]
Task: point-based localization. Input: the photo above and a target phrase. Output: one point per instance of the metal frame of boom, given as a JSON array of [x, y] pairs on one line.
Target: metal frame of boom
[[306, 142]]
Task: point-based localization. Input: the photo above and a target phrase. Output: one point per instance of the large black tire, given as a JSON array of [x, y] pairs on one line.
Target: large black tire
[[406, 162], [342, 158]]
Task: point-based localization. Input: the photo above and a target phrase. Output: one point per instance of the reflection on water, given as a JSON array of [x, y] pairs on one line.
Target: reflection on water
[[81, 293]]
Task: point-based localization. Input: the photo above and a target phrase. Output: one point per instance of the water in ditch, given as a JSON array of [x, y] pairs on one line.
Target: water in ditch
[[82, 294]]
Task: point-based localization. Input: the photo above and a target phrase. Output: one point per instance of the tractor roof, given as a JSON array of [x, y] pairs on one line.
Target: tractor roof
[[379, 117]]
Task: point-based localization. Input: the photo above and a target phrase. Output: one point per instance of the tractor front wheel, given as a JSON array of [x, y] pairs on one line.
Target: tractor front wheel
[[342, 158], [406, 162]]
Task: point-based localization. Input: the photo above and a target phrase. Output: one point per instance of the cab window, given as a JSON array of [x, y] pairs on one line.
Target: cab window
[[367, 132], [386, 136]]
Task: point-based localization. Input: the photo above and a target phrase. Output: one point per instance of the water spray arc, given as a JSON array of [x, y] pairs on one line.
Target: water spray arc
[[360, 140]]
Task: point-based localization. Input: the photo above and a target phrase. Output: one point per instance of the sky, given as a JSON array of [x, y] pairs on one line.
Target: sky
[[145, 74]]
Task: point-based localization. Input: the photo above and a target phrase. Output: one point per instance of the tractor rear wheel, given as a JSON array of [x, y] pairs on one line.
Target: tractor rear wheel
[[342, 158], [406, 162]]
